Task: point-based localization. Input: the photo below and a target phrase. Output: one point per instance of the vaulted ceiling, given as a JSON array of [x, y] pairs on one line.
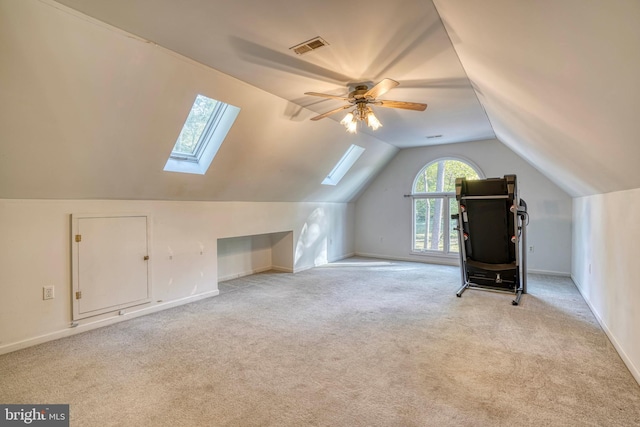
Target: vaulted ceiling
[[95, 92], [559, 81], [367, 41]]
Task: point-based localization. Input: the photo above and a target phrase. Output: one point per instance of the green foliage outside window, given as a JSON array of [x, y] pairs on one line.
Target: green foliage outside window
[[195, 124], [431, 213], [447, 170]]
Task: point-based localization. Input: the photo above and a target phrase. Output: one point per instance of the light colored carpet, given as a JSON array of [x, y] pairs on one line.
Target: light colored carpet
[[357, 343]]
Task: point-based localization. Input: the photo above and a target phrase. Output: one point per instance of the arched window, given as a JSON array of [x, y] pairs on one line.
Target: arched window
[[434, 201]]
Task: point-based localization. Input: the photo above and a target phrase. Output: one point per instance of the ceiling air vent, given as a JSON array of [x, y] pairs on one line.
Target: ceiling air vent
[[309, 45]]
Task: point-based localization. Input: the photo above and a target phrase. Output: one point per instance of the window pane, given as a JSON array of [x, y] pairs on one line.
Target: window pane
[[456, 169], [421, 183], [440, 176], [434, 235], [420, 225], [429, 224], [195, 124], [435, 177]]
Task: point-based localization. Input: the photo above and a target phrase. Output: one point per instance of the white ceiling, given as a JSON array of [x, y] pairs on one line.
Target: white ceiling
[[556, 81], [404, 40]]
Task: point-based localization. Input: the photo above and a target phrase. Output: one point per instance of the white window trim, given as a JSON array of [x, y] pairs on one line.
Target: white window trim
[[203, 141], [210, 142], [341, 168]]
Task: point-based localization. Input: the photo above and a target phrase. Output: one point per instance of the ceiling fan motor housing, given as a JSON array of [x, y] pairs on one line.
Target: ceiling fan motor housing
[[358, 92], [362, 96]]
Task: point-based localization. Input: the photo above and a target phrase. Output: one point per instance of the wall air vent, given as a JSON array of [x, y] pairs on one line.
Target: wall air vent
[[309, 45]]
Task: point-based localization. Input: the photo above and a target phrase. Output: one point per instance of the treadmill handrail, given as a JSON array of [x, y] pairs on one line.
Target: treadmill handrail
[[502, 196]]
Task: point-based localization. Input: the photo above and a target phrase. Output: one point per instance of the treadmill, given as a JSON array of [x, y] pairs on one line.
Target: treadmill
[[491, 225]]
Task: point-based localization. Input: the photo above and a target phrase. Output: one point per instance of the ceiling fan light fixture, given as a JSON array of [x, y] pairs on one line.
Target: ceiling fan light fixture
[[350, 122], [347, 119], [352, 126], [361, 113], [373, 121]]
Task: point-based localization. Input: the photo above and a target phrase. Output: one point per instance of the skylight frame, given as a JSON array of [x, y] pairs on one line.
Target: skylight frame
[[346, 162], [209, 128], [215, 131]]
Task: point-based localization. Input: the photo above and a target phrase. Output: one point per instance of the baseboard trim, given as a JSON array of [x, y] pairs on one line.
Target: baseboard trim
[[425, 259], [418, 258], [549, 273], [341, 257], [245, 273], [623, 355], [334, 259], [84, 326]]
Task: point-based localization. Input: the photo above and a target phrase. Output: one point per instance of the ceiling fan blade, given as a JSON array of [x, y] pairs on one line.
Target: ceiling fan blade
[[401, 104], [328, 113], [381, 88], [326, 95]]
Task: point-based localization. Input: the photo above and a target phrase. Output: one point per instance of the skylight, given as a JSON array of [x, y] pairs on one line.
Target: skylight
[[349, 158], [201, 136]]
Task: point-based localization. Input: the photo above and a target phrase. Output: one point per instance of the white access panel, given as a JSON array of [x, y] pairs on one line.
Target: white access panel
[[110, 261]]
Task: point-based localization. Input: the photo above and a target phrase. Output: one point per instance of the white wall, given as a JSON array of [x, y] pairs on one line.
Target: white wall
[[383, 215], [35, 251], [604, 266]]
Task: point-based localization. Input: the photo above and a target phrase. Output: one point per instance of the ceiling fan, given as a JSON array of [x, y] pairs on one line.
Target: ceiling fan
[[361, 98]]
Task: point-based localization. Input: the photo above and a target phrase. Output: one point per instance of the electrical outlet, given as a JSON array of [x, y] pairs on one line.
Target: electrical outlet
[[47, 292], [532, 249]]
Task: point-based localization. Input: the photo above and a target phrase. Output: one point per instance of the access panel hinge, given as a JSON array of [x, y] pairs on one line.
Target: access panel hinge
[[78, 294], [78, 238]]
